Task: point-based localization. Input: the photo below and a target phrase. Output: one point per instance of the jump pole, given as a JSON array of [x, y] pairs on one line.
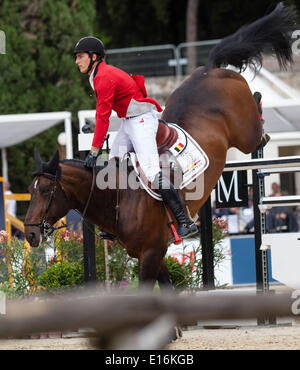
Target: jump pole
[[261, 256]]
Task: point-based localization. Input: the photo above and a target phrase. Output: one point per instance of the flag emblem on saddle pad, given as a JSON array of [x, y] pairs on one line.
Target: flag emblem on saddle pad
[[179, 147]]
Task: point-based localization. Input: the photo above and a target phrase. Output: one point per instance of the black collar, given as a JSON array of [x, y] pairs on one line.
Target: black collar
[[96, 69]]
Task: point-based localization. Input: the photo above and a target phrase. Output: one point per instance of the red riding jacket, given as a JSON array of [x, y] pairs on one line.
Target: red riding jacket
[[118, 91]]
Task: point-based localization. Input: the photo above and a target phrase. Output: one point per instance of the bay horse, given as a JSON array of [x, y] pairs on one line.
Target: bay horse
[[214, 105]]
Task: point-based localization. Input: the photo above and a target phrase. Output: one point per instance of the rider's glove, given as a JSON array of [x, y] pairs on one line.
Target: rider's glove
[[91, 158]]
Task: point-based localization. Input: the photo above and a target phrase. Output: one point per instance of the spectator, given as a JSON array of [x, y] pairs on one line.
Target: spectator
[[220, 212], [248, 217], [250, 197], [275, 190], [281, 219], [11, 205]]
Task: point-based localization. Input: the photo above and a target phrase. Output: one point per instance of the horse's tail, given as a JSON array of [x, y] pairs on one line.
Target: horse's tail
[[245, 47]]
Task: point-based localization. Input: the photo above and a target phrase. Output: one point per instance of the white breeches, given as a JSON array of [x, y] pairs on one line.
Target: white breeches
[[139, 133]]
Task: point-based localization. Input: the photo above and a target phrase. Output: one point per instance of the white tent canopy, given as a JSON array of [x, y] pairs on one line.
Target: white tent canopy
[[280, 102], [16, 128]]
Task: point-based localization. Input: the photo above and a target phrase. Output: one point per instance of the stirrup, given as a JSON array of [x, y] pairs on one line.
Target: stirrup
[[193, 230]]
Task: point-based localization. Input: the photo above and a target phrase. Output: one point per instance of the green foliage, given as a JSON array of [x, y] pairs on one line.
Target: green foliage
[[38, 73], [30, 272], [19, 268], [141, 22], [62, 275], [180, 274], [24, 273], [120, 264], [188, 275], [155, 22]]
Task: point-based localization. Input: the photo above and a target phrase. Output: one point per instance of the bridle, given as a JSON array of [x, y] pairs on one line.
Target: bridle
[[45, 228]]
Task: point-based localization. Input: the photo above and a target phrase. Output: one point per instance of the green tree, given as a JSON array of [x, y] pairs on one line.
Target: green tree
[[151, 22], [143, 22], [38, 73]]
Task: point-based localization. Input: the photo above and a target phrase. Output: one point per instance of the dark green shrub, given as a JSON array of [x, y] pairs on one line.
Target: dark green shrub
[[180, 274], [58, 275]]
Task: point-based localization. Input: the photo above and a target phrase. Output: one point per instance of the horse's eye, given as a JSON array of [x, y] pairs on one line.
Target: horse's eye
[[44, 189]]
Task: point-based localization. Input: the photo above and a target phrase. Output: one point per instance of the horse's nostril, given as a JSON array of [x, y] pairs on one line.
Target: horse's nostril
[[31, 237]]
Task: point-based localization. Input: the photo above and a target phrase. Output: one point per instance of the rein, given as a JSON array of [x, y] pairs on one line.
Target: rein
[[45, 228]]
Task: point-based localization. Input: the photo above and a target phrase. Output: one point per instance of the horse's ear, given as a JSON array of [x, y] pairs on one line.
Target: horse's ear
[[38, 162], [53, 164], [37, 157]]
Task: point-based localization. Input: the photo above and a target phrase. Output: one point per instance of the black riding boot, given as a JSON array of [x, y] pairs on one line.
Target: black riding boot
[[170, 196]]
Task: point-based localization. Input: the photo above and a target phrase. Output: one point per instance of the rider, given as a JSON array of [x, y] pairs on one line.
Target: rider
[[125, 94]]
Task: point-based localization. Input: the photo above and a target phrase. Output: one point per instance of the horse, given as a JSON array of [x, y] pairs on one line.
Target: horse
[[214, 105]]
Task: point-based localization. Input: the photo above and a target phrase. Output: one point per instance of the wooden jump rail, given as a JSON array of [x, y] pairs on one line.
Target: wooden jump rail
[[117, 316], [11, 220], [263, 163], [18, 197]]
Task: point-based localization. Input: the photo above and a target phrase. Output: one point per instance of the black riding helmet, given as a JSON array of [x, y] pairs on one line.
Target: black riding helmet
[[90, 45]]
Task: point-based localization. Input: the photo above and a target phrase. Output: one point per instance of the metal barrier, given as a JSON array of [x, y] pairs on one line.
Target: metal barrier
[[160, 60], [150, 61], [198, 50]]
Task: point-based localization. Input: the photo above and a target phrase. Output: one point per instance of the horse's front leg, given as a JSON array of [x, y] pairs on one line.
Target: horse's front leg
[[163, 278], [150, 267]]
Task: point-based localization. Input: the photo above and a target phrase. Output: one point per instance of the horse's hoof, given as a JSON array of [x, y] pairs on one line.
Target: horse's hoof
[[264, 141], [175, 334]]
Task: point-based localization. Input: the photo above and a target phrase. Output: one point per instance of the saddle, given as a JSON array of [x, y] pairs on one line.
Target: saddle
[[166, 136]]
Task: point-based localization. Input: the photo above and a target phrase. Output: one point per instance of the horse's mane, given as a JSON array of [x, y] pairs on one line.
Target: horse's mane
[[73, 162], [80, 164]]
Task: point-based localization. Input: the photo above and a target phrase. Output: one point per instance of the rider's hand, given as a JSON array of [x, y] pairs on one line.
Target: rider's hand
[[91, 158]]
